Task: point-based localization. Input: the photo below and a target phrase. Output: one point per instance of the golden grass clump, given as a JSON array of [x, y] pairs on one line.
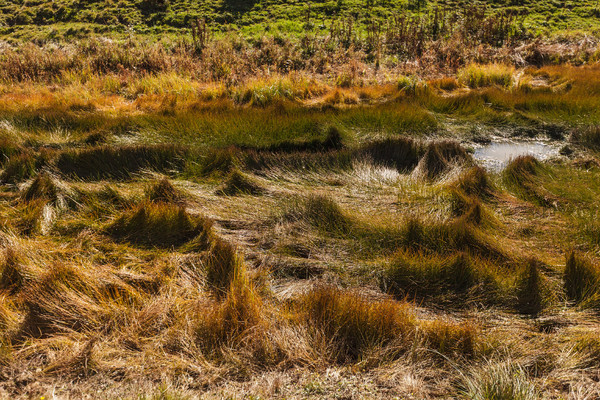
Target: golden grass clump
[[419, 275], [119, 162], [530, 289], [582, 281], [401, 153], [522, 174], [161, 225], [438, 159], [164, 192], [477, 76], [238, 183], [224, 267], [41, 188], [354, 326]]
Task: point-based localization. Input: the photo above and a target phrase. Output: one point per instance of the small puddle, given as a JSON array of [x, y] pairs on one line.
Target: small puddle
[[496, 155]]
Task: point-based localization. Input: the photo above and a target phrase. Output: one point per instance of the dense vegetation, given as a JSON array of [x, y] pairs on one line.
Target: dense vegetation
[[76, 18], [273, 199]]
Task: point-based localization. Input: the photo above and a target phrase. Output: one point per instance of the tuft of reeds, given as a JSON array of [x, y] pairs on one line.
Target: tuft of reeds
[[41, 188], [476, 182], [161, 225], [238, 183], [477, 76], [582, 281], [164, 192], [352, 323], [439, 157], [401, 153], [224, 267], [19, 168], [322, 212], [530, 289], [420, 275], [106, 162], [522, 175], [498, 381]]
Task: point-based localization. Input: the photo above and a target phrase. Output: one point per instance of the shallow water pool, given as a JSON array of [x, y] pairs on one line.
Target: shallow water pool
[[496, 155]]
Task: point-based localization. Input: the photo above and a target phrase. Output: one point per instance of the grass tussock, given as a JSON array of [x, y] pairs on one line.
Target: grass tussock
[[332, 141], [588, 137], [224, 267], [321, 212], [164, 192], [582, 281], [530, 289], [64, 299], [499, 381], [439, 158], [476, 182], [355, 325], [113, 162], [19, 168], [13, 274], [419, 276], [450, 236], [161, 225], [238, 183], [236, 321], [522, 175], [477, 76], [41, 188], [401, 153]]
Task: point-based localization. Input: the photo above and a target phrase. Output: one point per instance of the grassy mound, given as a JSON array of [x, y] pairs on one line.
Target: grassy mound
[[164, 192], [476, 182], [42, 188], [106, 162], [582, 281], [332, 141], [161, 225], [19, 168], [401, 153], [355, 325], [423, 276], [223, 266], [522, 175], [238, 183], [450, 236], [321, 212], [530, 290], [438, 159]]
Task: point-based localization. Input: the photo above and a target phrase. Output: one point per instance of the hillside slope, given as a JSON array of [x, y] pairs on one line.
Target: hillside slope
[[58, 19]]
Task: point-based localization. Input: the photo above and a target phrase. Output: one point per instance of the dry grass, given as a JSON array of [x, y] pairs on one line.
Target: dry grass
[[296, 237]]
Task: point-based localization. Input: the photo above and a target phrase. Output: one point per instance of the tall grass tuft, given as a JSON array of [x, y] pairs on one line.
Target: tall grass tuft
[[13, 274], [352, 323], [19, 168], [106, 162], [238, 183], [401, 153], [530, 290], [582, 281], [323, 213], [439, 157], [522, 175], [164, 192], [41, 188], [419, 275], [476, 76], [224, 266], [161, 225], [475, 181], [503, 381]]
